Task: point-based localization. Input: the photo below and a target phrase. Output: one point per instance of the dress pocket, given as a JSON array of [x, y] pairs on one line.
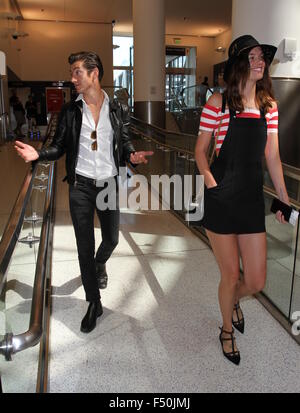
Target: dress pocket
[[212, 188], [216, 187]]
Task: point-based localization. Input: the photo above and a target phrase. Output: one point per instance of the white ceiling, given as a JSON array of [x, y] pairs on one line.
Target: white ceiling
[[183, 17]]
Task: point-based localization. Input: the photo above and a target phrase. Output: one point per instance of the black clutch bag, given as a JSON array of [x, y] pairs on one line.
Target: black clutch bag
[[289, 213]]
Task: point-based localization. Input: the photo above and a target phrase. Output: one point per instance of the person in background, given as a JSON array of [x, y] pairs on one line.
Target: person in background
[[19, 113], [31, 113], [234, 213], [94, 134], [122, 95], [205, 82]]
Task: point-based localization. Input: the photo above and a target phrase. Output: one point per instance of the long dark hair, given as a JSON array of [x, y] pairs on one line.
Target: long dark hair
[[238, 76]]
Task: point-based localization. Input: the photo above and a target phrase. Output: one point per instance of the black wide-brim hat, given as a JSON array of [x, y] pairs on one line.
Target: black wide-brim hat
[[241, 44]]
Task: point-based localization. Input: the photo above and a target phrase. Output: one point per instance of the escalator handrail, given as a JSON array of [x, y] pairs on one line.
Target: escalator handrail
[[161, 130], [294, 171], [14, 225], [289, 170], [272, 193], [165, 145]]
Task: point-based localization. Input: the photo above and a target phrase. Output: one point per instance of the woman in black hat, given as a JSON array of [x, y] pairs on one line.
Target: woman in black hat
[[246, 119]]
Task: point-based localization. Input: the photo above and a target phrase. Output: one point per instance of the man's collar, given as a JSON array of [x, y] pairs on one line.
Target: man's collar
[[80, 97]]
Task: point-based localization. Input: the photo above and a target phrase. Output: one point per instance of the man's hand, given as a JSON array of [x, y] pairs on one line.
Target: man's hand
[[140, 157], [27, 152]]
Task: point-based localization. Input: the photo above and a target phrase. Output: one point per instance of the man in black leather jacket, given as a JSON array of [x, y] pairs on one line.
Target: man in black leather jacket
[[93, 133], [67, 135]]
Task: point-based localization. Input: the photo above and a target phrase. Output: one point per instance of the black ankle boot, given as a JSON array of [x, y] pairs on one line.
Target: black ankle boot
[[101, 275], [94, 311]]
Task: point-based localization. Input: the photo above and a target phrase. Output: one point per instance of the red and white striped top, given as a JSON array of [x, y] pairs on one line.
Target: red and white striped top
[[211, 117]]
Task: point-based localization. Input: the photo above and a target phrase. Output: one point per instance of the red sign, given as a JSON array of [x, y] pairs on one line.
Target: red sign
[[55, 100]]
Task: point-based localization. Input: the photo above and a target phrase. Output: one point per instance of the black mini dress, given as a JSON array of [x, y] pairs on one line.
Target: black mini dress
[[236, 204]]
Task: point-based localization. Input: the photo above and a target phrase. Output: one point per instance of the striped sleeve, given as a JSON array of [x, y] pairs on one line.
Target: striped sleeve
[[272, 120], [209, 118]]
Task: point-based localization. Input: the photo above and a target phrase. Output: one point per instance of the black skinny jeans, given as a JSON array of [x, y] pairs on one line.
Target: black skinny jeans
[[82, 198]]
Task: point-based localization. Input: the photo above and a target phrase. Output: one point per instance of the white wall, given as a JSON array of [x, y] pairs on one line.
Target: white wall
[[45, 51], [6, 41], [270, 21], [43, 54]]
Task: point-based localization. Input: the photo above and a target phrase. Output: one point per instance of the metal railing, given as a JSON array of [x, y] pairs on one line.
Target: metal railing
[[173, 140]]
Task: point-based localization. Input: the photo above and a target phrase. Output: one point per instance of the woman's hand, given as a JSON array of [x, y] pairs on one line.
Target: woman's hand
[[280, 218], [140, 157], [27, 152]]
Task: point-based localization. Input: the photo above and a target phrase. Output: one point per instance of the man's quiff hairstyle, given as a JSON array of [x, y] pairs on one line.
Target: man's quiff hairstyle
[[90, 61]]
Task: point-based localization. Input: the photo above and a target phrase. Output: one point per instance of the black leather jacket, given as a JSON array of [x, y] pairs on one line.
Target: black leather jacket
[[66, 138]]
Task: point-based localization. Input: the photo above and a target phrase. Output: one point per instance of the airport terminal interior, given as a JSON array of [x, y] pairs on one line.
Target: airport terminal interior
[[159, 332]]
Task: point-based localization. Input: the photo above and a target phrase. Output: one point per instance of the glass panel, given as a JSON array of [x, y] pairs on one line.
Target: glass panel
[[175, 164], [281, 249], [180, 75], [123, 86], [20, 374], [295, 304], [281, 241], [123, 69], [174, 87], [13, 169]]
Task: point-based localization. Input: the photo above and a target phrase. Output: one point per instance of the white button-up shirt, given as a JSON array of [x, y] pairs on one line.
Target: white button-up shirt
[[98, 164]]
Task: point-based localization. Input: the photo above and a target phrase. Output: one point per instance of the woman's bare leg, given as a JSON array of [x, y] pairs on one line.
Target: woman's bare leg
[[226, 251], [253, 250]]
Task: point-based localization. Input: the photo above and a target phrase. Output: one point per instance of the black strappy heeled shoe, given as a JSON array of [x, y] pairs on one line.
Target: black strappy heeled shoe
[[234, 355], [239, 324]]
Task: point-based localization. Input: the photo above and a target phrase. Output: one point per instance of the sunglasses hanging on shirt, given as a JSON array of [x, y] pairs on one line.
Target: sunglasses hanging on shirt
[[94, 137]]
